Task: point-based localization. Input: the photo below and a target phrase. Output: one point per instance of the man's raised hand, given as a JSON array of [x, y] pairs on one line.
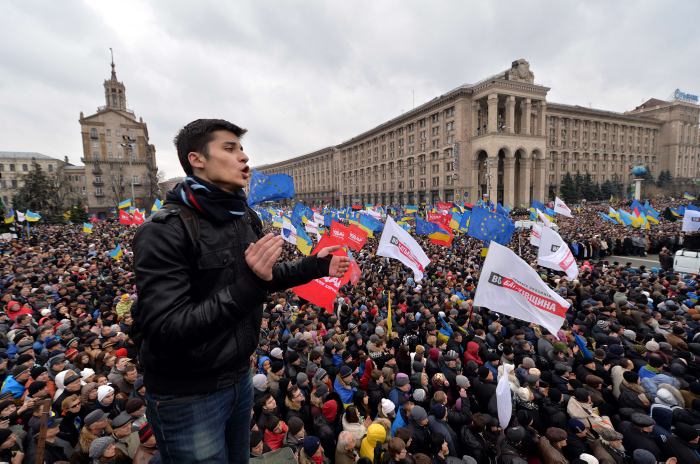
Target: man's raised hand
[[339, 264], [262, 255]]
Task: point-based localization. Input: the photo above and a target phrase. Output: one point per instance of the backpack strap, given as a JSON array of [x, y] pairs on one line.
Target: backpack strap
[[187, 216]]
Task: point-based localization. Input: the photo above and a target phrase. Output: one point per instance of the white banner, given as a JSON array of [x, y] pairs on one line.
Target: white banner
[[398, 244], [508, 285], [535, 234], [20, 216], [504, 401], [561, 208], [555, 254], [691, 220]]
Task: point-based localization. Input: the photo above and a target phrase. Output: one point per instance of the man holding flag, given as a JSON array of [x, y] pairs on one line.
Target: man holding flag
[[203, 270]]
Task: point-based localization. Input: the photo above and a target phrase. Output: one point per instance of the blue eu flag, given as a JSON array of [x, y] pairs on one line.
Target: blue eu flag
[[264, 187], [425, 227], [488, 226]]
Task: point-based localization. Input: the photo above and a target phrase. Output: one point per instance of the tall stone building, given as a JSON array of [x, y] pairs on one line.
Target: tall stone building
[[499, 137], [120, 163]]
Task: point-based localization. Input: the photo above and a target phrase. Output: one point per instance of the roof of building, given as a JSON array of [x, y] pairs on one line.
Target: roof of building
[[551, 106], [652, 102], [26, 155]]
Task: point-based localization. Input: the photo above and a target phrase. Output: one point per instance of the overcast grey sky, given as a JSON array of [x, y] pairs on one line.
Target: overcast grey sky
[[302, 75]]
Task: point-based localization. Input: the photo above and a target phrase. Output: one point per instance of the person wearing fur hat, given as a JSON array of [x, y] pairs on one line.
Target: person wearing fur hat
[[550, 446]]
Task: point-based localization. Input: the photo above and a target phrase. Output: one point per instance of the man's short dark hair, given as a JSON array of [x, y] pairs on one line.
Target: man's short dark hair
[[196, 135]]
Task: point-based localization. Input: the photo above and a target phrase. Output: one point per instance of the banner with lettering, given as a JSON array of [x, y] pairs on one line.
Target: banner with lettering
[[440, 218], [356, 238], [508, 285], [339, 231]]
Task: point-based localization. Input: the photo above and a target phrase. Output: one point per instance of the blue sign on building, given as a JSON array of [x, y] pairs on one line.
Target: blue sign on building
[[686, 97]]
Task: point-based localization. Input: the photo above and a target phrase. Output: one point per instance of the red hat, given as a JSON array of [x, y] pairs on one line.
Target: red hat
[[71, 353], [330, 409], [145, 432], [121, 353]]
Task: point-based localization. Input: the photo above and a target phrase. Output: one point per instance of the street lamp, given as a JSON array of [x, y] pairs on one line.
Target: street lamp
[[129, 149], [488, 177]]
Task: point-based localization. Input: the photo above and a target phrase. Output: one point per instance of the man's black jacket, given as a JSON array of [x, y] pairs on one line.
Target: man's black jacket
[[199, 308]]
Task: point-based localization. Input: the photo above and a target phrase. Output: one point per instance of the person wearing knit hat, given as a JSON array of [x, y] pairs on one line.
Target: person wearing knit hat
[[588, 459], [312, 448], [387, 408], [277, 353], [147, 449], [260, 382], [15, 383], [419, 395], [652, 346], [643, 456], [419, 415], [102, 448], [38, 390]]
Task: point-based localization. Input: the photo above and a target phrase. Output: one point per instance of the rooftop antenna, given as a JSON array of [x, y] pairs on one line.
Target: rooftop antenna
[[111, 53]]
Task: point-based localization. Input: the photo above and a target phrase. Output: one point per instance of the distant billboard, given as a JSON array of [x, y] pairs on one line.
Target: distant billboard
[[686, 97]]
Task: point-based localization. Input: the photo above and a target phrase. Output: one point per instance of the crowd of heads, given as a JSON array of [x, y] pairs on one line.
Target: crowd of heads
[[618, 383]]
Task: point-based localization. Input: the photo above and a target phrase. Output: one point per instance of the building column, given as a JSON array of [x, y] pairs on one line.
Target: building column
[[525, 176], [493, 113], [509, 181], [473, 187], [510, 114], [492, 171], [475, 118], [525, 110], [542, 118], [539, 191]]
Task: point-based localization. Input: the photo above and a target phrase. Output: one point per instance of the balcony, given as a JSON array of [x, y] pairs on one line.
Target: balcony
[[99, 194], [98, 183]]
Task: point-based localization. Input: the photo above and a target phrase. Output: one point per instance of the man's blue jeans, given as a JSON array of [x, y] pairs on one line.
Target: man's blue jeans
[[211, 428]]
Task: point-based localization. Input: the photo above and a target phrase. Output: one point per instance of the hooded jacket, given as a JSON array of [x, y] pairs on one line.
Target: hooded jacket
[[376, 434]]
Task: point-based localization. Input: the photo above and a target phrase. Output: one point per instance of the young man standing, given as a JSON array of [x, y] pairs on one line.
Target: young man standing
[[200, 297]]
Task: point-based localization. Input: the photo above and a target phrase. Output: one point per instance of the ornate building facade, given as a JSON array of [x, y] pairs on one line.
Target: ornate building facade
[[120, 163], [499, 137]]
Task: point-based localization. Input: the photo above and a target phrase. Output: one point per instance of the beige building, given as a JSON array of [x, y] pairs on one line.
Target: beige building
[[499, 137], [119, 161], [16, 165]]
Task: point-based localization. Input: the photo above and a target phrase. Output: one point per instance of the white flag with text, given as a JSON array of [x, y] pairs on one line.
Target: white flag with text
[[561, 208], [555, 254], [535, 234], [510, 286], [398, 244], [691, 220]]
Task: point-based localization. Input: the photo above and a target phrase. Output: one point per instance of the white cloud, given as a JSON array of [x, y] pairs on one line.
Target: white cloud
[[304, 75]]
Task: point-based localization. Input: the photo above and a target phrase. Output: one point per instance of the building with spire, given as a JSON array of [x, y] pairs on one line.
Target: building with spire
[[120, 163]]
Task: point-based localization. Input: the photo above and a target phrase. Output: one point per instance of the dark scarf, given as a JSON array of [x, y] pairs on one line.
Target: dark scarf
[[209, 200]]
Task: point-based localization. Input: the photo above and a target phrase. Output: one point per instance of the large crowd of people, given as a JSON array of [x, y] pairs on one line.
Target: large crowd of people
[[341, 387]]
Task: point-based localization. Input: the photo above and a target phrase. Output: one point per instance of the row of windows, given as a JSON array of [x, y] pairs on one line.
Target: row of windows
[[24, 167]]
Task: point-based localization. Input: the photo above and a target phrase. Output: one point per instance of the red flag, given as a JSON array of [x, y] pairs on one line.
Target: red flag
[[322, 292], [137, 217], [356, 237], [440, 218], [339, 232], [125, 218], [443, 205]]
